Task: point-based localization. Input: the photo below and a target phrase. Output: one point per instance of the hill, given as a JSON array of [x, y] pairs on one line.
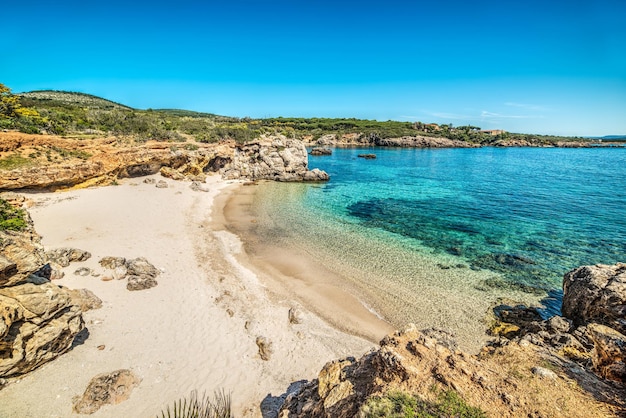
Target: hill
[[54, 97], [80, 114]]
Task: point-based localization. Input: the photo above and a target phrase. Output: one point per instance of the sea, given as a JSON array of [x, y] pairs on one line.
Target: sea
[[440, 227]]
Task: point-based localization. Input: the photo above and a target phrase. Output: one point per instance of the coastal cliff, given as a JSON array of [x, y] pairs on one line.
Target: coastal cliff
[[51, 162]]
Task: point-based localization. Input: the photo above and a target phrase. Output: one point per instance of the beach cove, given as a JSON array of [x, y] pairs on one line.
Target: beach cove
[[196, 330], [254, 293]]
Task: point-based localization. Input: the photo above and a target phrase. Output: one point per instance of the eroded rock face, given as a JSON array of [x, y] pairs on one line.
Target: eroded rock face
[[272, 158], [21, 254], [609, 353], [107, 388], [109, 162], [38, 319], [38, 323], [596, 294]]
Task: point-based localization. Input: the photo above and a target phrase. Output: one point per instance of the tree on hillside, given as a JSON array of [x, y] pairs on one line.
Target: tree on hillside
[[10, 106]]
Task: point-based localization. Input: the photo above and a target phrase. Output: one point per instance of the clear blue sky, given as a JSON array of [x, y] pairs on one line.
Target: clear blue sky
[[550, 66]]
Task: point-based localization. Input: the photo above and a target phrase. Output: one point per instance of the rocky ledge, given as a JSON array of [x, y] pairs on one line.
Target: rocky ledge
[[82, 163]]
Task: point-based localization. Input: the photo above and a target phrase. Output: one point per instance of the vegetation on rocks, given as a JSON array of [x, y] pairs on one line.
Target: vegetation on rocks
[[11, 218], [403, 405]]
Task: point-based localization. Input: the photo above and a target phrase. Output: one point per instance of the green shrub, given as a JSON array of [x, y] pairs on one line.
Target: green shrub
[[194, 407], [11, 218], [402, 405], [14, 161]]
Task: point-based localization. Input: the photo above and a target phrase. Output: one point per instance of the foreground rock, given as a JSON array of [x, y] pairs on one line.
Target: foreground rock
[[411, 363], [272, 158], [108, 388], [596, 294], [38, 320], [591, 329]]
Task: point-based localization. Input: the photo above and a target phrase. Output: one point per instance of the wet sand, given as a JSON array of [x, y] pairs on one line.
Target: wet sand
[[365, 298]]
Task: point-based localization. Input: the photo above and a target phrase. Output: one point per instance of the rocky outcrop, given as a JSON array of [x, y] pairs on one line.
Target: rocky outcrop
[[321, 151], [272, 158], [593, 323], [419, 366], [106, 389], [39, 323], [360, 139], [38, 320], [422, 142], [596, 294], [609, 352], [138, 272]]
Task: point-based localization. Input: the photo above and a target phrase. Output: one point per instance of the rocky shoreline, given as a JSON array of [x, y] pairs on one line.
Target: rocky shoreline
[[567, 366], [528, 370]]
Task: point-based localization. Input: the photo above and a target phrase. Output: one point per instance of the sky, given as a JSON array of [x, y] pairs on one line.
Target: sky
[[550, 67]]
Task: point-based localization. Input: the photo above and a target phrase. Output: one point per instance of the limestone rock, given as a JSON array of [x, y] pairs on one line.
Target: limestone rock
[[197, 186], [609, 353], [272, 158], [162, 184], [141, 274], [112, 262], [107, 388], [82, 271], [596, 294], [140, 282], [65, 256], [39, 322], [85, 299], [294, 315], [265, 348], [21, 254], [172, 174]]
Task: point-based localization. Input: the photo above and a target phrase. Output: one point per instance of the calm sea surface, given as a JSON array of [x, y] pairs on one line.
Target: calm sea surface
[[522, 216]]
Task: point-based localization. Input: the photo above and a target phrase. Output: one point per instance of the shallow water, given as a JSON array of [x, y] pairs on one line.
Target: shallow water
[[417, 227]]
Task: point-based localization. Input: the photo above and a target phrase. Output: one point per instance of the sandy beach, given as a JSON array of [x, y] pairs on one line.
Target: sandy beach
[[198, 328]]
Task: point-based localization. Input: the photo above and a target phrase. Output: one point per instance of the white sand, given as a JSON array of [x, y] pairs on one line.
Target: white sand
[[195, 330]]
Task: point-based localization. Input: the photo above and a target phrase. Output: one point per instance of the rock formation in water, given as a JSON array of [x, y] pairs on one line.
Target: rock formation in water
[[272, 158], [38, 319]]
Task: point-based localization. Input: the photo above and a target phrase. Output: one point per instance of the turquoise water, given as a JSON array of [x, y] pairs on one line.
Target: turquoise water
[[528, 215]]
